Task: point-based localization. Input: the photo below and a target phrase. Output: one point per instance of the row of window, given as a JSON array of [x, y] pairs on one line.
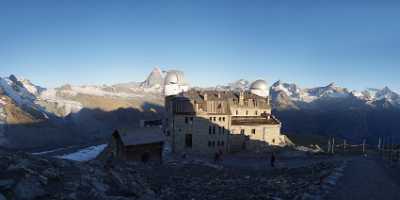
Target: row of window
[[211, 130], [242, 131], [216, 143], [219, 119], [247, 112]]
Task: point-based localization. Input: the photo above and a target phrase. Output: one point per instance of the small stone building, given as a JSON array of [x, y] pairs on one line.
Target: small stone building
[[140, 144]]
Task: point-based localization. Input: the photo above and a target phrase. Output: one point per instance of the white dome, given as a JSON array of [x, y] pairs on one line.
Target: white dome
[[259, 85], [174, 77]]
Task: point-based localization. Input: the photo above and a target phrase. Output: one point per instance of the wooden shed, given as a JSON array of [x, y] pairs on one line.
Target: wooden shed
[[141, 144]]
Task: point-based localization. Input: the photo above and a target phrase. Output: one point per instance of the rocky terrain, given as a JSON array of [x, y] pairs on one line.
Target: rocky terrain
[[26, 177]]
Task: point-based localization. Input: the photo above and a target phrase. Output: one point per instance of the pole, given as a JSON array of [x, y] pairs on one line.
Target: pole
[[379, 144], [329, 145], [333, 145], [363, 147], [344, 145]]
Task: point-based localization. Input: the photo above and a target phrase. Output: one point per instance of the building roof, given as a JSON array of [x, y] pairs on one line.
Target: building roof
[[254, 120], [215, 95], [143, 135]]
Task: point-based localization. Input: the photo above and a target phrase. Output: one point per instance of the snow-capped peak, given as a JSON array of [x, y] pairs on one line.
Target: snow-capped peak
[[309, 94], [372, 94]]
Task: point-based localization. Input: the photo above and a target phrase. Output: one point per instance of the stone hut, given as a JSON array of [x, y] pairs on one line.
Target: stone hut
[[141, 144]]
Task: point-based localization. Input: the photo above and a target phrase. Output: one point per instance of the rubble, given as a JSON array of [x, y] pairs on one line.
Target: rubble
[[25, 177]]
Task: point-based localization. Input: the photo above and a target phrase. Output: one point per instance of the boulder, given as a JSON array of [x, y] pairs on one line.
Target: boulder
[[29, 188]]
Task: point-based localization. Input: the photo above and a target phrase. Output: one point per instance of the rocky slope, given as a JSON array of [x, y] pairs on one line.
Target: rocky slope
[[27, 177]]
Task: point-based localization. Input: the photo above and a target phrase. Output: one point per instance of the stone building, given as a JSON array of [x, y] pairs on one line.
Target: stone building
[[141, 144], [206, 121]]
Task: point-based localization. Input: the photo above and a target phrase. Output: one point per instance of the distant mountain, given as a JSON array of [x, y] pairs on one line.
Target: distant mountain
[[69, 113], [286, 96]]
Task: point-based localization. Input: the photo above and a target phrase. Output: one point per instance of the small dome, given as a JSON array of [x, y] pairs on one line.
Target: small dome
[[259, 85], [174, 77]]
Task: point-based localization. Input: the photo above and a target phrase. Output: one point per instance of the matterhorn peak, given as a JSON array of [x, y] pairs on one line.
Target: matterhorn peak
[[155, 79]]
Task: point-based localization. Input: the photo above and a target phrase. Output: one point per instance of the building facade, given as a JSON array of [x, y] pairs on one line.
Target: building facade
[[208, 121]]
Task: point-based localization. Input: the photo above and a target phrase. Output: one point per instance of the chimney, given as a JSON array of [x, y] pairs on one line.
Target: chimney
[[205, 96], [241, 98]]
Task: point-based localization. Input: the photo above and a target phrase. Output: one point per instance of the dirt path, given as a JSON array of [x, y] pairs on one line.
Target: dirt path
[[364, 179]]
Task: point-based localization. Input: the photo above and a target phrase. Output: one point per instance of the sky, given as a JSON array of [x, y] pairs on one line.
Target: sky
[[355, 44]]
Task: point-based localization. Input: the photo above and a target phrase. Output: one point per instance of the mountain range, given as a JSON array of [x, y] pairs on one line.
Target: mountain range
[[32, 116]]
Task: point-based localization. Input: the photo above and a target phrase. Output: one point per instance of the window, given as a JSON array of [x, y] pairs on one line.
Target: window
[[168, 133], [188, 140], [273, 141], [213, 129], [209, 129], [210, 118], [223, 118], [219, 130], [186, 120], [213, 143], [223, 130], [242, 131], [215, 119], [218, 143], [247, 112], [237, 112], [253, 131], [209, 143], [191, 119], [256, 113], [219, 118]]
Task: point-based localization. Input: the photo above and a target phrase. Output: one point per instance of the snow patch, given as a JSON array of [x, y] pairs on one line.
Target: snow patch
[[85, 154]]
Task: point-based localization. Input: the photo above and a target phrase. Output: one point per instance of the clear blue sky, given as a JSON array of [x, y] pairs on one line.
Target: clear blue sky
[[353, 43]]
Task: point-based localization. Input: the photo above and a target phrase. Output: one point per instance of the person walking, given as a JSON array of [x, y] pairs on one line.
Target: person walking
[[273, 158]]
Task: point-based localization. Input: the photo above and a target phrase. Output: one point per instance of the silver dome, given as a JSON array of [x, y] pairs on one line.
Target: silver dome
[[174, 77], [259, 85]]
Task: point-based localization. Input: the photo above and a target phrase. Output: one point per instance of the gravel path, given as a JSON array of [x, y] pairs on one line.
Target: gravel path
[[364, 179]]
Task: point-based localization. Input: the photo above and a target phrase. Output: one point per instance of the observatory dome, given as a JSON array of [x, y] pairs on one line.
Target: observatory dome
[[174, 77], [259, 85], [260, 88]]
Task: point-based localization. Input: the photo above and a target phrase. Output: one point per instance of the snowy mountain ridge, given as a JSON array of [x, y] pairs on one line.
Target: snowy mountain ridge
[[369, 96]]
